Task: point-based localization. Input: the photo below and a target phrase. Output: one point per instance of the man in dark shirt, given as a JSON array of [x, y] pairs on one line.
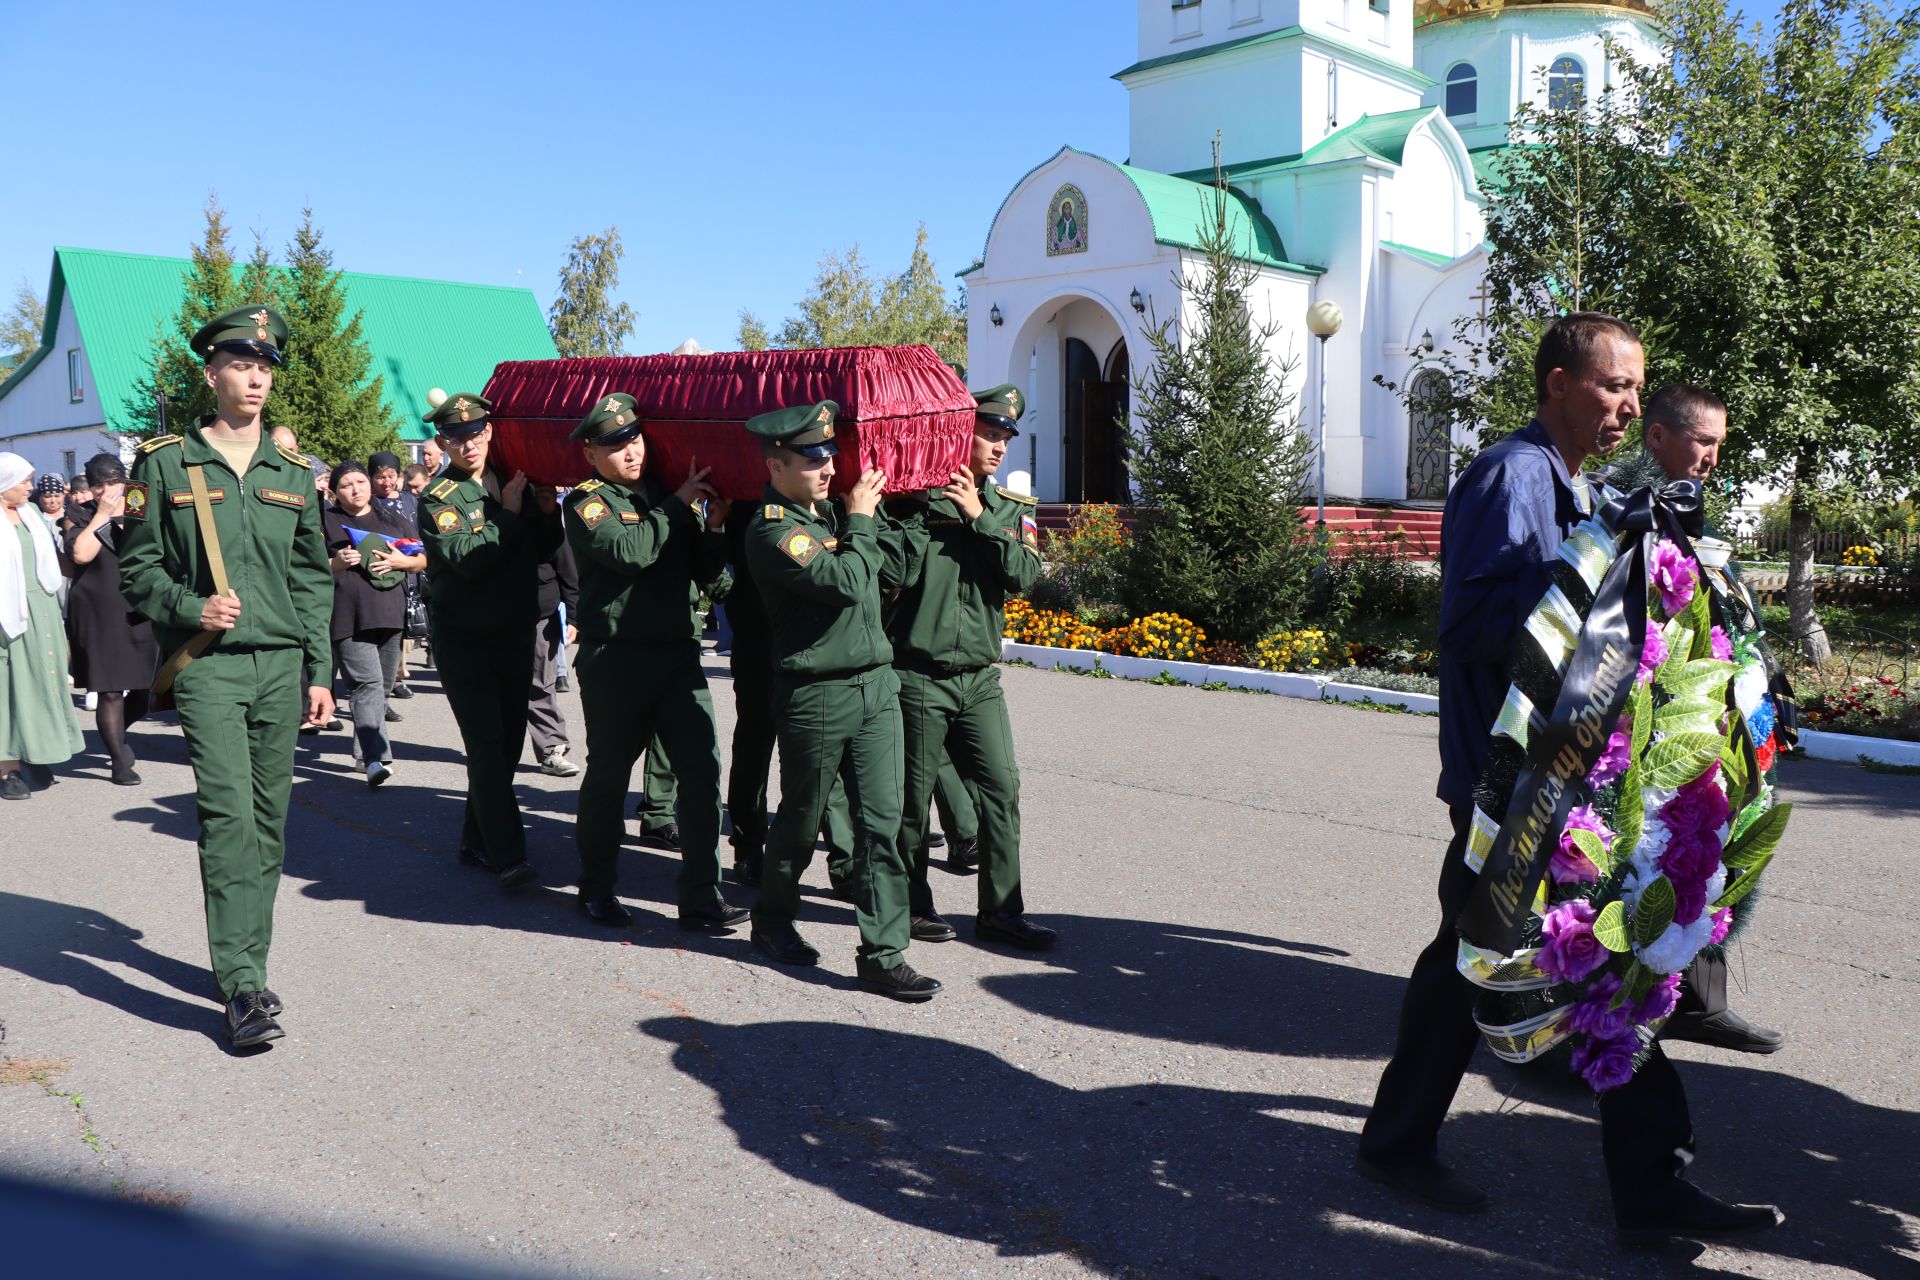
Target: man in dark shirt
[[1504, 522]]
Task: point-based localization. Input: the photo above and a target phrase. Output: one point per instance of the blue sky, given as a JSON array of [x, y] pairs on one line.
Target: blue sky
[[732, 142]]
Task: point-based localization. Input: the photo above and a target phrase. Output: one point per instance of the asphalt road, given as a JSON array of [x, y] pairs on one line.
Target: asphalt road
[[1240, 882]]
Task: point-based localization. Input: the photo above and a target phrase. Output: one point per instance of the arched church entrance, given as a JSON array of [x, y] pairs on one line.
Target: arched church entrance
[[1095, 418], [1429, 439]]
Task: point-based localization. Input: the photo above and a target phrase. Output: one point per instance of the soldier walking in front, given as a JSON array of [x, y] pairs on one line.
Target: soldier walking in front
[[225, 555]]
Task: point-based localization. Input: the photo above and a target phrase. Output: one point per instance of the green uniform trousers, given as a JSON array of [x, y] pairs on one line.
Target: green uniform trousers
[[634, 695], [953, 801], [486, 677], [847, 729], [752, 761], [238, 715], [962, 718], [659, 792]]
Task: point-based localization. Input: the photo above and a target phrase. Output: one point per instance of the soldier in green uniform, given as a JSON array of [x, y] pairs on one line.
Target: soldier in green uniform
[[485, 540], [835, 697], [642, 553], [238, 655], [982, 545]]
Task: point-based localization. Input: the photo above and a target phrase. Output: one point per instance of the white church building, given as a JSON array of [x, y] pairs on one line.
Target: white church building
[[1358, 139]]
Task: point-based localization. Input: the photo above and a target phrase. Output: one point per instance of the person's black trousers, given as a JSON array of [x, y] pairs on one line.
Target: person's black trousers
[[1644, 1125]]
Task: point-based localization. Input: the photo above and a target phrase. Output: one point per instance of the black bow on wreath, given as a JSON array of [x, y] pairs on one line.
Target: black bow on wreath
[[1598, 681]]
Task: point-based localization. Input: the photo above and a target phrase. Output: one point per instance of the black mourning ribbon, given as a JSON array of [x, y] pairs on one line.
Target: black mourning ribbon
[[1599, 680]]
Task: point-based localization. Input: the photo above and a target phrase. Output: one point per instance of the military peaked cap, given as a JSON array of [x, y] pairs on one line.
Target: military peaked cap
[[1003, 406], [461, 414], [253, 330], [806, 429], [613, 421]]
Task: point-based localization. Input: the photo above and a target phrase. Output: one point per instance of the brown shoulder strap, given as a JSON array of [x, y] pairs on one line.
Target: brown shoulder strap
[[216, 565]]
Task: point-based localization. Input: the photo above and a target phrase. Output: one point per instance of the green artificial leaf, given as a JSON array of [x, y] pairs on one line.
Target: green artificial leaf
[[1610, 927], [1689, 715], [1703, 679], [1628, 820], [1751, 814], [1679, 645], [1634, 985], [1654, 912], [1678, 760], [1745, 884], [1589, 843], [1734, 762], [1757, 842], [1642, 709], [1699, 621]]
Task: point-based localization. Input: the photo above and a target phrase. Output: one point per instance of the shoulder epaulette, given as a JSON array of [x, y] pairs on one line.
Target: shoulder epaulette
[[588, 486], [441, 490], [773, 511], [1025, 499], [297, 459], [158, 442]]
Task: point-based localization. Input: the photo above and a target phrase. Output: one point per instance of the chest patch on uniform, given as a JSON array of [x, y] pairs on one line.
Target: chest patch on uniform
[[593, 511], [184, 497], [282, 498], [801, 546], [137, 500], [774, 511], [447, 521], [629, 517], [1030, 531]]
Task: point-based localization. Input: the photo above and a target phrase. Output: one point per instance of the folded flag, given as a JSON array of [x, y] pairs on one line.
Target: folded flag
[[405, 546]]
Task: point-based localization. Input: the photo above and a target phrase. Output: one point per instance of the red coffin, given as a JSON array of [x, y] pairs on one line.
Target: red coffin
[[901, 410]]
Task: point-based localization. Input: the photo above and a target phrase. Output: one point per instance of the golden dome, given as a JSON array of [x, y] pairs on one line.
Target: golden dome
[[1425, 11]]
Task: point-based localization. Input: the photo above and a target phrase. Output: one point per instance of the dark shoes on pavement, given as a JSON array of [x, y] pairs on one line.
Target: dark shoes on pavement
[[786, 948], [1725, 1030], [902, 982], [472, 857], [606, 911], [667, 837], [400, 691], [1692, 1214], [746, 869], [1428, 1181], [14, 787], [931, 928], [964, 857], [1015, 931], [394, 717], [248, 1022], [724, 917], [271, 1003], [515, 874], [123, 774]]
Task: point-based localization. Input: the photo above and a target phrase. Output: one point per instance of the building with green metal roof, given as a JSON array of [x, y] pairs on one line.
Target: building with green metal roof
[[1359, 145], [74, 396]]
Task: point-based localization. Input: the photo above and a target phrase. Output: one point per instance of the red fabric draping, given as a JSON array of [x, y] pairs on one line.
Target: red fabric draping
[[901, 409]]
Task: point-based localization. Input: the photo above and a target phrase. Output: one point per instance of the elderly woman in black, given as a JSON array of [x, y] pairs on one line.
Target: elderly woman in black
[[369, 611], [113, 649]]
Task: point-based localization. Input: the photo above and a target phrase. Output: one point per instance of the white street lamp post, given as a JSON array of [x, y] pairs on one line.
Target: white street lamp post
[[1323, 321]]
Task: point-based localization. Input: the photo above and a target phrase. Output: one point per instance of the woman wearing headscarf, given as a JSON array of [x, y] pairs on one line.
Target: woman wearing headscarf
[[37, 725], [113, 648], [369, 611]]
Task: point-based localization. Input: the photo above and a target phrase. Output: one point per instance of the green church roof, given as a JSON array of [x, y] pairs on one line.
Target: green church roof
[[420, 333], [1382, 137]]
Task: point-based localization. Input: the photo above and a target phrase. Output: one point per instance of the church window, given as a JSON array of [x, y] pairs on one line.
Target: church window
[[1186, 18], [1463, 91], [1566, 84], [1379, 6]]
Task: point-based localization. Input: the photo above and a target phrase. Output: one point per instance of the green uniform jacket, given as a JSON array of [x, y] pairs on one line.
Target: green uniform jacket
[[483, 561], [643, 559], [951, 615], [822, 585], [268, 522]]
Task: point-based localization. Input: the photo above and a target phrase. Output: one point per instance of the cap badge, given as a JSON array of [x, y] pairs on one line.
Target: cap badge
[[826, 432], [613, 402], [259, 317], [461, 405], [826, 414]]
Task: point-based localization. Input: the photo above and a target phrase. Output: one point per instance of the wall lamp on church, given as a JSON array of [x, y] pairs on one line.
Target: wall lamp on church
[[1426, 342], [995, 316], [1139, 303]]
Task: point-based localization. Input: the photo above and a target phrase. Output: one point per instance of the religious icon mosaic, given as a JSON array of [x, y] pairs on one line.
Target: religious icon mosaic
[[1066, 222]]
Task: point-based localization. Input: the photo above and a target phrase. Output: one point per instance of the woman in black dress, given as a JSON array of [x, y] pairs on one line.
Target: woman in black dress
[[113, 650]]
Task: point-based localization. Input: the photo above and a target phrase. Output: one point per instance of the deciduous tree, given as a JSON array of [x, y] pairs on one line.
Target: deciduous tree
[[585, 320]]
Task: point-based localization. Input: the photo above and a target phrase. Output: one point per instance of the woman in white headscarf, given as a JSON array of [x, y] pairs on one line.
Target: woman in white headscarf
[[37, 724]]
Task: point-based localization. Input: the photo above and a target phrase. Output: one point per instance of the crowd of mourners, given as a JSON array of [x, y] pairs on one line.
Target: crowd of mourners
[[69, 639]]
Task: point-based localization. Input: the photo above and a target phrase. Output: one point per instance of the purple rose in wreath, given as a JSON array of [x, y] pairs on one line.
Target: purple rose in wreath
[[1698, 807], [1674, 575], [1652, 653], [1691, 858], [1689, 900], [1722, 921], [1614, 758], [1592, 1017], [1570, 951], [1722, 644], [1570, 865], [1658, 1003], [1606, 1064]]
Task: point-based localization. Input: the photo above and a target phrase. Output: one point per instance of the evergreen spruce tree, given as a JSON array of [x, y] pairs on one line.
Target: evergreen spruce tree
[[173, 368], [584, 319], [323, 390], [1217, 458]]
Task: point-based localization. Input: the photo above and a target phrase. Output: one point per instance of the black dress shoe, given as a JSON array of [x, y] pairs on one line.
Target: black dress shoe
[[394, 717], [786, 948], [400, 691], [1692, 1214], [902, 982], [1725, 1030], [14, 787], [123, 774], [1428, 1181], [746, 869], [1004, 926], [667, 837], [271, 1003], [725, 917], [606, 911], [931, 928], [516, 874], [936, 839], [964, 857], [473, 857], [248, 1022]]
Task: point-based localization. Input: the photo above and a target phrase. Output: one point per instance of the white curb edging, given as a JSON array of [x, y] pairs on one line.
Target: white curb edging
[[1287, 684], [1848, 748]]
